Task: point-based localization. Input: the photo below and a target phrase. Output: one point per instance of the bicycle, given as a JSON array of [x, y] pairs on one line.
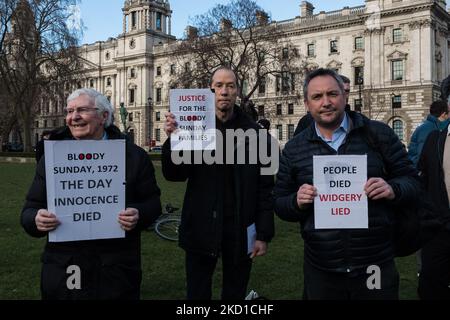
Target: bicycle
[[167, 224]]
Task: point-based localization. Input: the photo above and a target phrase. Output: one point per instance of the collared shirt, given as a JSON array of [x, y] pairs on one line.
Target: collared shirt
[[105, 135], [338, 136]]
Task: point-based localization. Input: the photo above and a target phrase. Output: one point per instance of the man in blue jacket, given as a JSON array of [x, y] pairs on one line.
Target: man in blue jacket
[[436, 120]]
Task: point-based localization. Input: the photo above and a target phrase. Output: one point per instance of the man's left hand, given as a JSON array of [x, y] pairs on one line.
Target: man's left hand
[[259, 249], [378, 188], [128, 218]]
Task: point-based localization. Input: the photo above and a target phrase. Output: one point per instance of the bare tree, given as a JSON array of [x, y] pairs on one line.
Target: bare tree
[[241, 36], [38, 49]]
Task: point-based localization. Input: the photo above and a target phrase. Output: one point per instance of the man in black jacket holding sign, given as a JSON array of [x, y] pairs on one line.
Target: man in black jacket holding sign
[[108, 268], [339, 262], [222, 202]]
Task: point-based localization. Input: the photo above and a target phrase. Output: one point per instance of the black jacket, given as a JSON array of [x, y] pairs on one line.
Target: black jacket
[[432, 173], [346, 249], [202, 214], [142, 193]]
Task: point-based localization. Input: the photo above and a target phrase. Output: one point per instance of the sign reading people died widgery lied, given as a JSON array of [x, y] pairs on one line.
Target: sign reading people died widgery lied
[[85, 188], [341, 201], [194, 111]]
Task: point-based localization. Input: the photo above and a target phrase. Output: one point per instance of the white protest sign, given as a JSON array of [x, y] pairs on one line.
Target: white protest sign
[[341, 202], [85, 188], [194, 111]]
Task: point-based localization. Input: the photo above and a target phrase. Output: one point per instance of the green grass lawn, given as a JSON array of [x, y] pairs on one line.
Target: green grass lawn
[[278, 275]]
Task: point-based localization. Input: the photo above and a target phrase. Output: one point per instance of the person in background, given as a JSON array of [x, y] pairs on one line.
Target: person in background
[[436, 120], [434, 167], [39, 152]]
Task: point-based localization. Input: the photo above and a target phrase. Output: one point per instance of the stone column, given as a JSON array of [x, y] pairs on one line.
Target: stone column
[[414, 61], [427, 52]]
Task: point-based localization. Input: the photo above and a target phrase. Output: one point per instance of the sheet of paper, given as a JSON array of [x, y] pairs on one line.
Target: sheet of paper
[[341, 202], [194, 111], [251, 238], [85, 188]]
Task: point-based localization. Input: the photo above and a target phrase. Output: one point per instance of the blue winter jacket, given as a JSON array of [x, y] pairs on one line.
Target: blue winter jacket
[[420, 135]]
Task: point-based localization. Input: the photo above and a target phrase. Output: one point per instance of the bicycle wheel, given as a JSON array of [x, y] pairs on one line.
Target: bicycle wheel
[[168, 228]]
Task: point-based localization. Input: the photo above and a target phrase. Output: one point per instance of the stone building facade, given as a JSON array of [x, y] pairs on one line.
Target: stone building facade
[[396, 53]]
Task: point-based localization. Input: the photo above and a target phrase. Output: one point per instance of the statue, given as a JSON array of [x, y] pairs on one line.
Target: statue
[[123, 116]]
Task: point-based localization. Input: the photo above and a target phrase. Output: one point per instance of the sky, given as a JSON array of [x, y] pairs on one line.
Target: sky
[[103, 18]]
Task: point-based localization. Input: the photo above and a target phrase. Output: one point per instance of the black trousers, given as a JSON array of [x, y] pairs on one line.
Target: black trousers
[[322, 285], [235, 273], [434, 280]]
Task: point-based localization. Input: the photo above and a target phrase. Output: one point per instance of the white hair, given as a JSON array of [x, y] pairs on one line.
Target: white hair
[[100, 101]]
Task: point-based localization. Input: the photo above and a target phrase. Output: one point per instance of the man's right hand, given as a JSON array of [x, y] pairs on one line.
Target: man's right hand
[[305, 195], [46, 221], [170, 125]]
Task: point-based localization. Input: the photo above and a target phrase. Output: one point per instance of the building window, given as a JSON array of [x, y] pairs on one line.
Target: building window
[[359, 43], [397, 125], [158, 116], [158, 134], [130, 116], [262, 86], [285, 54], [172, 69], [107, 56], [158, 94], [158, 21], [396, 102], [45, 124], [357, 104], [261, 111], [359, 75], [36, 124], [277, 84], [333, 46], [280, 131], [397, 35], [397, 70], [287, 82], [133, 20], [290, 131], [108, 81], [311, 50], [290, 108], [91, 83], [131, 96], [109, 98], [55, 123], [279, 110], [132, 73], [187, 67], [158, 71]]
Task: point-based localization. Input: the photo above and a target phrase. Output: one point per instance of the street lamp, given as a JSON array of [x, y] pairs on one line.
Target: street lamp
[[360, 84], [150, 105]]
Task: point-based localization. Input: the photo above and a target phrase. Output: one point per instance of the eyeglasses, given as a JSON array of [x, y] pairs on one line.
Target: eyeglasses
[[80, 110]]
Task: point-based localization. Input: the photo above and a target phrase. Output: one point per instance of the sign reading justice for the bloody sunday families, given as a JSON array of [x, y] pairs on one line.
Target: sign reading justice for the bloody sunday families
[[341, 202], [85, 188], [194, 111]]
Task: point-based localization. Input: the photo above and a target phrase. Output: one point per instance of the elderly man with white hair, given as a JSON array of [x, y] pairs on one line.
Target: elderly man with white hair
[[110, 268]]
